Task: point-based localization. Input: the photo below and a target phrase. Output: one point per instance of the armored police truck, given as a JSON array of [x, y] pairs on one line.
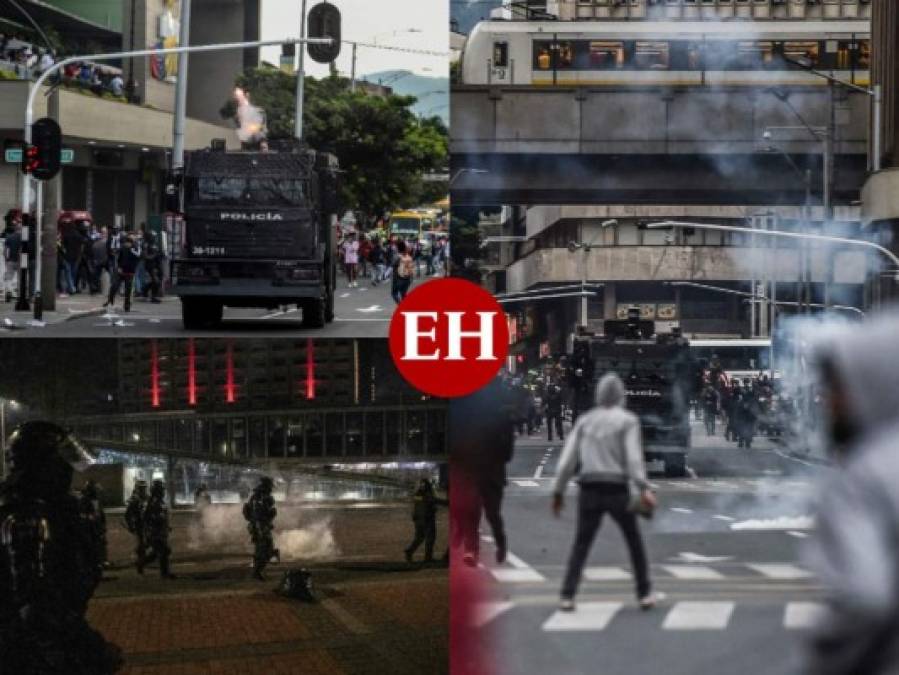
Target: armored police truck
[[258, 232], [659, 378]]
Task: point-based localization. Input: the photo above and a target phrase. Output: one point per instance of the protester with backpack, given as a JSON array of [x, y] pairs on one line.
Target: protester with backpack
[[403, 269]]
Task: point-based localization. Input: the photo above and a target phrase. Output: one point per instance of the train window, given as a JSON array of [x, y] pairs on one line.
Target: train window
[[542, 55], [651, 56], [800, 51], [564, 55], [863, 56], [754, 55], [500, 54], [607, 55]]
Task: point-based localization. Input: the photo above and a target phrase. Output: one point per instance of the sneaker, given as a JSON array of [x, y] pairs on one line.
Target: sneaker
[[566, 605], [647, 602]]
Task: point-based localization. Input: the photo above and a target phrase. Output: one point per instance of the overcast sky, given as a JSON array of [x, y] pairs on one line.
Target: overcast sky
[[386, 22]]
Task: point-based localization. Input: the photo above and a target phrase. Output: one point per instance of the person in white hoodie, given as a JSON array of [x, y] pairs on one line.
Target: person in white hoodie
[[606, 444], [855, 547]]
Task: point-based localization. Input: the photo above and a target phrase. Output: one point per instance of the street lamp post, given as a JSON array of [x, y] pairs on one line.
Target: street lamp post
[[574, 246]]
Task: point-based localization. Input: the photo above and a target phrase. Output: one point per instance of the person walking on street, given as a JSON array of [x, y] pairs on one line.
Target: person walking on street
[[94, 518], [606, 443], [376, 257], [350, 258], [12, 247], [554, 411], [424, 515], [711, 402], [403, 270]]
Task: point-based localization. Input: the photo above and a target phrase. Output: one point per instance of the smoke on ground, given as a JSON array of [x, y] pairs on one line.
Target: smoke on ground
[[313, 541]]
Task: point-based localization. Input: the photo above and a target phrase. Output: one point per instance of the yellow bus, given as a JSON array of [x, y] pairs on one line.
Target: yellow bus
[[410, 224]]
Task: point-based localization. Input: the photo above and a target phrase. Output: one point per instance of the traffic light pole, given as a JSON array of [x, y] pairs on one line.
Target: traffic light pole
[[33, 88]]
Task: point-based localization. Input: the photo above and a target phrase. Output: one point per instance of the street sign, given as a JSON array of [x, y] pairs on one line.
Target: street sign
[[14, 155]]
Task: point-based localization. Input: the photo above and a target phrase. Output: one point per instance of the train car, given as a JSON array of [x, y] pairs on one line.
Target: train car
[[664, 53]]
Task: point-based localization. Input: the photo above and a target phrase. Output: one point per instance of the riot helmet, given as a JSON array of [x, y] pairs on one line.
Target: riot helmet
[[157, 489]]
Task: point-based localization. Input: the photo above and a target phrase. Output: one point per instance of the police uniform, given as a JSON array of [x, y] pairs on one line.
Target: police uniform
[[156, 528], [260, 512], [424, 515], [49, 567], [94, 518], [134, 522]]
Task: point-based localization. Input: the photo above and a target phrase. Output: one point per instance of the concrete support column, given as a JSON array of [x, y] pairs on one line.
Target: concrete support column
[[609, 301]]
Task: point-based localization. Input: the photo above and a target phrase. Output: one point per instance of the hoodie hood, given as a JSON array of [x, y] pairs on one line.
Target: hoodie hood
[[865, 359], [610, 391]]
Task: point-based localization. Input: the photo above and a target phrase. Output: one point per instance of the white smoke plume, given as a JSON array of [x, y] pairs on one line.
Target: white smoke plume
[[314, 541], [252, 119]]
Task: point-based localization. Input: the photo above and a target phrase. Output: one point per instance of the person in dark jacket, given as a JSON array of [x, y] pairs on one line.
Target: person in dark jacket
[[74, 243], [94, 518], [554, 411], [126, 267], [49, 567], [156, 527], [481, 445], [260, 512], [424, 515], [134, 522]]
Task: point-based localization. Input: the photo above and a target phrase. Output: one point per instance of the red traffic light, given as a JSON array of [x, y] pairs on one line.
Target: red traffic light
[[43, 157]]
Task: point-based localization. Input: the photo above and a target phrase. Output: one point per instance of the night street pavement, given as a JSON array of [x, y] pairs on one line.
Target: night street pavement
[[364, 311], [724, 548], [374, 612]]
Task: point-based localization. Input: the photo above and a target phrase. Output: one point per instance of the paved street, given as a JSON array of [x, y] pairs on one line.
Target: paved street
[[374, 612], [364, 311], [724, 548]]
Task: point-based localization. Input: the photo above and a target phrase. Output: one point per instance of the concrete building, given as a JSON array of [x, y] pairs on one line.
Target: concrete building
[[722, 145]]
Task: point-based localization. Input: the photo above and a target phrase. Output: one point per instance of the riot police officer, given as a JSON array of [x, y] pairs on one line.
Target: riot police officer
[[134, 522], [554, 411], [156, 528], [49, 567], [152, 255], [260, 512], [94, 517], [424, 515]]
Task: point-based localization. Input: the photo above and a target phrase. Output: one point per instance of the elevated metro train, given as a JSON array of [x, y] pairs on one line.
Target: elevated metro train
[[664, 53]]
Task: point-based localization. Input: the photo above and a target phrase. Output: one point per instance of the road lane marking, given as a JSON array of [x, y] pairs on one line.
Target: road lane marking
[[693, 572], [516, 562], [539, 472], [797, 534], [698, 616], [517, 576], [678, 509], [780, 571], [606, 574], [726, 519], [526, 483], [485, 612], [588, 616], [803, 615], [690, 557]]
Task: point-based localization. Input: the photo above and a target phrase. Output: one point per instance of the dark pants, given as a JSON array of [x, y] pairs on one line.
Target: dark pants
[[594, 502], [555, 418], [121, 280], [476, 496], [709, 418], [400, 288], [425, 532]]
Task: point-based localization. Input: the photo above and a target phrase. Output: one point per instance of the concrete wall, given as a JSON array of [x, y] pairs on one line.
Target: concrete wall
[[653, 121], [685, 263]]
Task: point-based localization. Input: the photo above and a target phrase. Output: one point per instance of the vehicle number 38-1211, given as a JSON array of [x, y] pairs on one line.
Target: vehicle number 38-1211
[[209, 250]]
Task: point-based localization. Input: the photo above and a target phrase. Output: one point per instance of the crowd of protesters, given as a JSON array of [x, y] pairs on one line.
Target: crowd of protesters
[[391, 260], [26, 61]]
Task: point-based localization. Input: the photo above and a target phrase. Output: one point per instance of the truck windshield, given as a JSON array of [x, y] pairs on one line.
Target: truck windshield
[[241, 191]]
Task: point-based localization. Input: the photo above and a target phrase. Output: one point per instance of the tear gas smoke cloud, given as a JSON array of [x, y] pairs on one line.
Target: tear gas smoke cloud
[[250, 117], [314, 541]]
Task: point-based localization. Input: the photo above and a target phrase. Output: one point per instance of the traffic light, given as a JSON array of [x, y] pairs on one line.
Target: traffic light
[[324, 22], [42, 158]]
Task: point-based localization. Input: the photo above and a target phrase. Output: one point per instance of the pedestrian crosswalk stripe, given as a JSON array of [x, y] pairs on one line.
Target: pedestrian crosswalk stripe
[[517, 576], [606, 574], [693, 572], [802, 615], [527, 483], [587, 616], [780, 571], [516, 562], [486, 612], [698, 616]]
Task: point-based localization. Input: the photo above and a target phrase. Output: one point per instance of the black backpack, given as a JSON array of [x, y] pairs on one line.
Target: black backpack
[[296, 584]]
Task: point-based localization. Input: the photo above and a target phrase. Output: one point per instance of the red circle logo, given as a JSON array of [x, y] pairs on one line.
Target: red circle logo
[[449, 337]]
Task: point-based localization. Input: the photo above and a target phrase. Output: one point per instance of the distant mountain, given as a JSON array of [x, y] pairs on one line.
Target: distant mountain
[[432, 92], [466, 13]]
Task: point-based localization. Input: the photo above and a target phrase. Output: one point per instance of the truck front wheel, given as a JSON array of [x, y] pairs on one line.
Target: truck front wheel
[[314, 314]]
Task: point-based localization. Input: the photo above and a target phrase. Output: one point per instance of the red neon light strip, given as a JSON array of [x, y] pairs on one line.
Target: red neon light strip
[[191, 373], [310, 369], [154, 374], [230, 392]]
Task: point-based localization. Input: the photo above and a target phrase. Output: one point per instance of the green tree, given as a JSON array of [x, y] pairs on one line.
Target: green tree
[[382, 147]]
